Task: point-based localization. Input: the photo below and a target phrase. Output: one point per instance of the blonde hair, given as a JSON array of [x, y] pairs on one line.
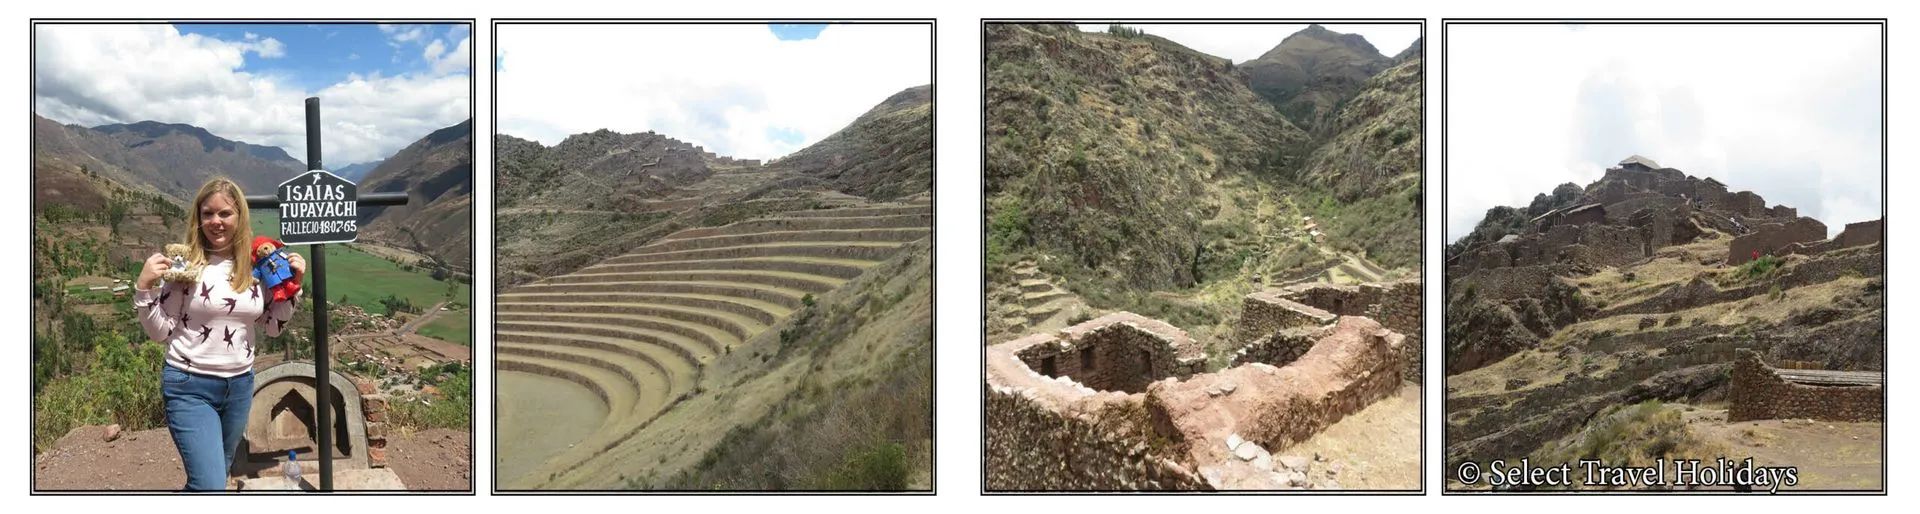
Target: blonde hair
[[242, 274]]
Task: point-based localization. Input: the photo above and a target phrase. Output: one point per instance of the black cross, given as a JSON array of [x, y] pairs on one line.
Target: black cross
[[316, 280]]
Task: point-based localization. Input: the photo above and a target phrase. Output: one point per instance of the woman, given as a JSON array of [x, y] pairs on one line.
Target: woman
[[210, 326]]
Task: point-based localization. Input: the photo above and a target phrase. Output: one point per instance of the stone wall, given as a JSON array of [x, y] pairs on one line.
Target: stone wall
[[1356, 364], [1861, 234], [1280, 347], [1122, 351], [1757, 392], [1265, 312], [1399, 308], [1056, 433], [1395, 305], [1771, 238], [1031, 447]]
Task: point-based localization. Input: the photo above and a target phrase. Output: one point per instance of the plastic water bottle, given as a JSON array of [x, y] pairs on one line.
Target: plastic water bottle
[[292, 470]]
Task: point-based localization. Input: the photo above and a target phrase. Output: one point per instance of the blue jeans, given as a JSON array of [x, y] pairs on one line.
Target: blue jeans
[[206, 415]]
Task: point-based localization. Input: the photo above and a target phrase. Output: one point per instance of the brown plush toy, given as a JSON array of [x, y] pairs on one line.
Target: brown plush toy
[[182, 271]]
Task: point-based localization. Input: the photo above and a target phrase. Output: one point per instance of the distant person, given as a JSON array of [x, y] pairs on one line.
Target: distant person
[[209, 322]]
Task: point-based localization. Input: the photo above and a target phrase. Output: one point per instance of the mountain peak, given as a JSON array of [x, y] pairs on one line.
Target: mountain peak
[[1315, 33]]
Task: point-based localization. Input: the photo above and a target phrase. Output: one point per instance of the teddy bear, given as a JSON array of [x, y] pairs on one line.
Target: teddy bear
[[184, 271], [271, 268]]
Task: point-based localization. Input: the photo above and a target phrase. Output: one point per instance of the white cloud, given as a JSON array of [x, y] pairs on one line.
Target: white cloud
[[101, 74], [1791, 112], [404, 33], [727, 87], [445, 62], [1245, 42]]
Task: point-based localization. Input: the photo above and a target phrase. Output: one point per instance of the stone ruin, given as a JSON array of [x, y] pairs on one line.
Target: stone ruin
[[1280, 323], [1122, 402], [283, 417], [1638, 207], [1801, 390]]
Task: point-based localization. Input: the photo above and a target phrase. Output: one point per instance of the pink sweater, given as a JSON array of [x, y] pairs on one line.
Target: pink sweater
[[207, 326]]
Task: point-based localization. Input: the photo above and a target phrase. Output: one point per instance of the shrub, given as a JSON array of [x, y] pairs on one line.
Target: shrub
[[120, 385], [882, 467], [453, 409], [1760, 268]]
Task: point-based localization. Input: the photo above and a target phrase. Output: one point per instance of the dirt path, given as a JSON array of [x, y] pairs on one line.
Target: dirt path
[[1376, 448], [1830, 455], [146, 460]]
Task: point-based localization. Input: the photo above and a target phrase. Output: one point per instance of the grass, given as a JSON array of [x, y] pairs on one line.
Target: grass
[[453, 408], [452, 326], [119, 384], [363, 279], [1632, 435]]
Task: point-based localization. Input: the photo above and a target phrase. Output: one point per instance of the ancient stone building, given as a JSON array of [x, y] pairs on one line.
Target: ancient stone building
[[1771, 238], [1121, 402]]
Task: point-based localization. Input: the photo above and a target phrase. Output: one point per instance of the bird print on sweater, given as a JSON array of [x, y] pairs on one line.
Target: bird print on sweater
[[185, 315]]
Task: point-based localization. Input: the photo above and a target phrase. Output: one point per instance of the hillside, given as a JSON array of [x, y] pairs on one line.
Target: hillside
[[1131, 173], [669, 318], [172, 159], [885, 154], [604, 193], [1628, 303], [436, 172], [1112, 151], [1312, 73]]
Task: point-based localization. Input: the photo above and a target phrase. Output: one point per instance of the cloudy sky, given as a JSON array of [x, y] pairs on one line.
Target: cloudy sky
[[1791, 112], [381, 87], [1245, 42], [749, 90]]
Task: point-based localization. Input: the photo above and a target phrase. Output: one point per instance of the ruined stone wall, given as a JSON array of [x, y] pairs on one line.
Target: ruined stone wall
[[1399, 309], [1265, 312], [1356, 364], [1771, 238], [1279, 348], [1032, 447], [1395, 305], [1618, 213], [1758, 393], [1612, 245], [1117, 352], [1507, 284], [1587, 215], [373, 408], [1861, 234], [1744, 203]]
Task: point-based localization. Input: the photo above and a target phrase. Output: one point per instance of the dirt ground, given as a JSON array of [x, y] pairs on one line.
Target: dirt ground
[[146, 460], [1376, 448], [1830, 455]]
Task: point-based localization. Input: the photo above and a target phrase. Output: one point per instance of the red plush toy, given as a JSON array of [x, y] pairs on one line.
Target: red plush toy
[[270, 267]]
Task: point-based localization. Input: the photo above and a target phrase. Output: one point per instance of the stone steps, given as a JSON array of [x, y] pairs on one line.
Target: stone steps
[[811, 223], [1041, 298], [861, 250], [798, 281], [888, 210], [741, 328], [658, 371], [781, 296], [822, 266], [867, 235], [664, 311], [1036, 285], [692, 351], [617, 393], [765, 313], [712, 339]]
